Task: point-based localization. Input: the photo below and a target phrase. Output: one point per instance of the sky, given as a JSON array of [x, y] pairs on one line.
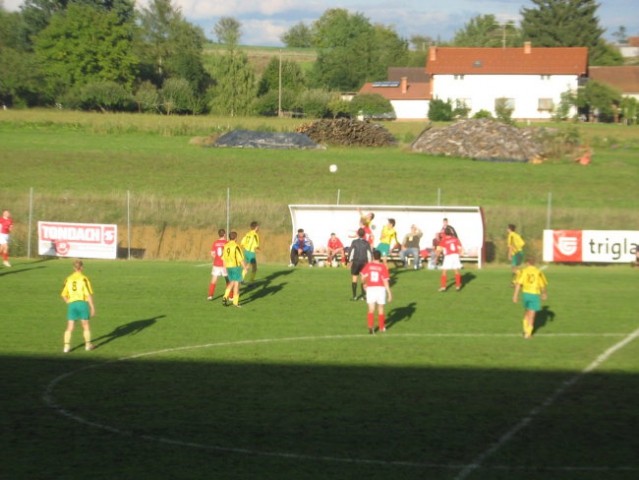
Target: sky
[[264, 21]]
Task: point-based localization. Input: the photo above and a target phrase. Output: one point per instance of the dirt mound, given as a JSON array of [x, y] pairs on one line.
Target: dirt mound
[[482, 139], [348, 132]]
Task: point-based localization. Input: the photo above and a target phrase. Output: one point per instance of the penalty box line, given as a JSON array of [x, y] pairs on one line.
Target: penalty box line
[[523, 423]]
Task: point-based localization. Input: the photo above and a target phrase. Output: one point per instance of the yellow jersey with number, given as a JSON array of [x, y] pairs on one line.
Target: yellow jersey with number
[[233, 256], [251, 241], [532, 280], [77, 287]]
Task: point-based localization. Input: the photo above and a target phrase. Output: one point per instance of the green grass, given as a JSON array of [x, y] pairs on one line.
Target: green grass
[[292, 386], [81, 166]]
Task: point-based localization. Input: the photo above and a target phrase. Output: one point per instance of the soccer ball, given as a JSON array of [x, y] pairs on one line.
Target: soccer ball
[[333, 168]]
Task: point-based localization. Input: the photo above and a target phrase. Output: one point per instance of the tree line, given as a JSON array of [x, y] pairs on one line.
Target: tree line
[[107, 55]]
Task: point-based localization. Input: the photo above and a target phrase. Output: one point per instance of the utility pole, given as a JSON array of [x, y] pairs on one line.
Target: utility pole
[[279, 89]]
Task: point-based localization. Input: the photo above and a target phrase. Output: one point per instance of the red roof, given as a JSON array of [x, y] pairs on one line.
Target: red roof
[[623, 78], [394, 90], [524, 60]]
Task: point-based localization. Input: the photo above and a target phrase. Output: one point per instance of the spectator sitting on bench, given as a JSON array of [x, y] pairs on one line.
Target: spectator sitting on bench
[[302, 245], [410, 247], [335, 248]]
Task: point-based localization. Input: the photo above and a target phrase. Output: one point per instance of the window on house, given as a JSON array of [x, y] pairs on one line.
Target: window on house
[[545, 105], [503, 102], [545, 77], [459, 77]]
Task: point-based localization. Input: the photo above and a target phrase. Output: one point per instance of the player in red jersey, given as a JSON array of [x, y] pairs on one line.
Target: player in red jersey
[[6, 225], [335, 248], [450, 247], [219, 270], [377, 280]]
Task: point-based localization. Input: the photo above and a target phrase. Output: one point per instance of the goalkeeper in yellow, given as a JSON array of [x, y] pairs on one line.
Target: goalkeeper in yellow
[[235, 268], [532, 283], [78, 295], [251, 244]]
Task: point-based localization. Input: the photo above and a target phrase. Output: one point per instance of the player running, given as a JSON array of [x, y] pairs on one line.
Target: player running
[[377, 280]]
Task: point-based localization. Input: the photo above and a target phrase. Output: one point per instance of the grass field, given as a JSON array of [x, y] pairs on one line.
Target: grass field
[[291, 386], [81, 166]]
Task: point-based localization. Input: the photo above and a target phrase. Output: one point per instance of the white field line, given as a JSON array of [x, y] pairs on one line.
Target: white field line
[[49, 399], [506, 437]]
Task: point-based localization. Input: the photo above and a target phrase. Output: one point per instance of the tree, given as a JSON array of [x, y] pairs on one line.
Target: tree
[[298, 36], [228, 31], [171, 46], [599, 100], [351, 50], [234, 92], [565, 23], [292, 76], [83, 44], [486, 31], [621, 34]]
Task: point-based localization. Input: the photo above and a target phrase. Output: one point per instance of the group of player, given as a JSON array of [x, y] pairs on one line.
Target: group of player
[[232, 261]]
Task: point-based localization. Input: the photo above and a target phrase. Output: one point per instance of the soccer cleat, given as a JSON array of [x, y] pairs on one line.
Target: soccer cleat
[[209, 298], [88, 347], [225, 301], [383, 329], [458, 289], [362, 298], [371, 331], [236, 305], [354, 299], [5, 263], [66, 349], [443, 289]]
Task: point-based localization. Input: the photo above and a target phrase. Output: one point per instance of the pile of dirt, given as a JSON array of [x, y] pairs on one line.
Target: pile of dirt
[[254, 139], [483, 139], [347, 132]]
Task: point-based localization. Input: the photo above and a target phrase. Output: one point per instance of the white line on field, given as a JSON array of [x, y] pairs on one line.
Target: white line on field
[[505, 438], [49, 400]]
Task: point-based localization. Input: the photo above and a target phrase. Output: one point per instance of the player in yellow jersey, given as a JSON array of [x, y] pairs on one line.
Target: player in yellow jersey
[[515, 250], [78, 295], [251, 244], [235, 268], [387, 239], [532, 283]]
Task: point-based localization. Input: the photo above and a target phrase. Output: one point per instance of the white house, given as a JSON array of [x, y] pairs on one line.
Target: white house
[[409, 99], [529, 80]]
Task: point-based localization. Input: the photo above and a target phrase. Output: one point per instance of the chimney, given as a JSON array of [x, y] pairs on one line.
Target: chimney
[[432, 54], [404, 85], [527, 48]]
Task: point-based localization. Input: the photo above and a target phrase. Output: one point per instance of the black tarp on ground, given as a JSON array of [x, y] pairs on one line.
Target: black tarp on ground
[[253, 139]]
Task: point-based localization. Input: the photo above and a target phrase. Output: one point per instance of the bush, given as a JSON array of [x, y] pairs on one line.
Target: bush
[[483, 114], [314, 103], [178, 97], [104, 96], [440, 111], [371, 105], [147, 98]]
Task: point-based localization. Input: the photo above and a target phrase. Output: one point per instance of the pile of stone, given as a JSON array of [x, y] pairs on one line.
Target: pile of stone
[[275, 140], [483, 139], [347, 132]]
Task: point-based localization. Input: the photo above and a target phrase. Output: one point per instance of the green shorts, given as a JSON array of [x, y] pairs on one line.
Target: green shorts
[[532, 301], [78, 311], [517, 259], [250, 257], [384, 249], [235, 274]]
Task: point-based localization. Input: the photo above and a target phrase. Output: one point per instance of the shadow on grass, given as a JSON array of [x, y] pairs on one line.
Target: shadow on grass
[[543, 316], [400, 314], [181, 418], [131, 328]]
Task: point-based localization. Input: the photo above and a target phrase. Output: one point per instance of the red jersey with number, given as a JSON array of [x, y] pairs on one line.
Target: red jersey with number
[[375, 274], [450, 245], [217, 250]]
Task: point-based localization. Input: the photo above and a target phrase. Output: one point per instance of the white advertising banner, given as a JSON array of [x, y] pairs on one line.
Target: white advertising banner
[[590, 246], [78, 240]]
